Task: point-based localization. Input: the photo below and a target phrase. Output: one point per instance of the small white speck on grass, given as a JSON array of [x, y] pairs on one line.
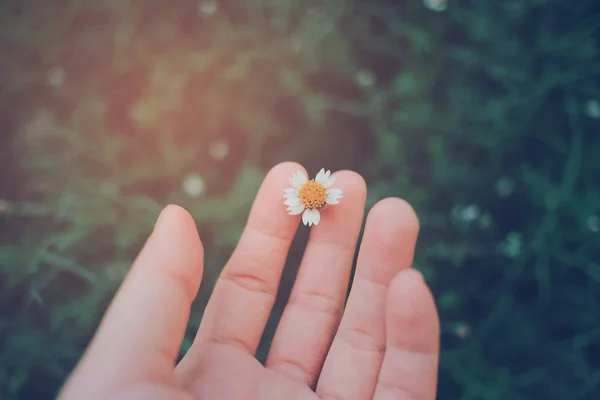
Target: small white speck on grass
[[462, 330], [505, 186], [513, 244], [218, 149], [194, 185], [593, 223], [56, 76], [470, 212], [592, 109], [436, 5], [365, 78], [206, 8]]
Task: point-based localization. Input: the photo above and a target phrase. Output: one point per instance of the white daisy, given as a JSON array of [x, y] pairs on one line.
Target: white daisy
[[307, 197]]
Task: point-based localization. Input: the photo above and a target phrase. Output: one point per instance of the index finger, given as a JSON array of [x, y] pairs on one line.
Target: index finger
[[241, 302]]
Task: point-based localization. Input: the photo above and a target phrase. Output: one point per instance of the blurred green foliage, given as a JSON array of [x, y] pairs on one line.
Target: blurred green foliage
[[484, 116]]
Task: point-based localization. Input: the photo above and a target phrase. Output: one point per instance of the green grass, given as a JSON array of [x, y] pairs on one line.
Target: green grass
[[477, 115]]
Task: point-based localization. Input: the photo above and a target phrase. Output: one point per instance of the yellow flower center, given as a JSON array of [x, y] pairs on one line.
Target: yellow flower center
[[312, 194]]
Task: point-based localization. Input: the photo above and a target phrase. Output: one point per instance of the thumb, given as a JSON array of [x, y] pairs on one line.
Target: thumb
[[141, 333]]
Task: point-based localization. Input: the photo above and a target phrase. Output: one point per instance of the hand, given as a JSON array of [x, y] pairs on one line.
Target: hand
[[383, 345]]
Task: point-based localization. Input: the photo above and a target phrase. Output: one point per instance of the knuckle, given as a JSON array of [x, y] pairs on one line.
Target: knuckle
[[291, 368], [360, 339], [317, 302], [250, 282]]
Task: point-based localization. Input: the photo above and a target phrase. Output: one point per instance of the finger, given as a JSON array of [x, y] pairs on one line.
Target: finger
[[410, 364], [351, 367], [241, 302], [317, 300], [142, 331]]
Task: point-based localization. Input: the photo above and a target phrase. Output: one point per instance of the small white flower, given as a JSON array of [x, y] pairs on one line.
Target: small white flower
[[207, 8], [593, 223], [3, 205], [470, 213], [365, 78], [194, 185], [462, 330], [436, 5], [505, 186], [218, 149], [593, 109], [56, 76], [512, 245], [307, 197]]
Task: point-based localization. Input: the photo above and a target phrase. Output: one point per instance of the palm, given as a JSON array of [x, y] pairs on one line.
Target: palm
[[382, 344], [252, 379]]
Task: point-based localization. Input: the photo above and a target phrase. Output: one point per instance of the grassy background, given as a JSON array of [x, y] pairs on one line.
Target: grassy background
[[482, 116]]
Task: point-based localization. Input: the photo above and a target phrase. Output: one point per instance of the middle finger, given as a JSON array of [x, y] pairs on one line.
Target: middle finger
[[316, 303]]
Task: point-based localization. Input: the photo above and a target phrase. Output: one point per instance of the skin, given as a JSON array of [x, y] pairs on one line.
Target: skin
[[382, 345]]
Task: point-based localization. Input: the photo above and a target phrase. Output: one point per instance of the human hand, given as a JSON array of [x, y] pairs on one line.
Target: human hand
[[383, 345]]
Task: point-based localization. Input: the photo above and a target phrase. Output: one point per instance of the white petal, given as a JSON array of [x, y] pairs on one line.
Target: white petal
[[316, 217], [305, 216], [291, 196], [333, 200], [333, 196], [290, 191], [298, 179], [320, 175], [334, 191], [295, 210], [292, 202], [311, 216], [308, 218], [323, 177], [329, 181]]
